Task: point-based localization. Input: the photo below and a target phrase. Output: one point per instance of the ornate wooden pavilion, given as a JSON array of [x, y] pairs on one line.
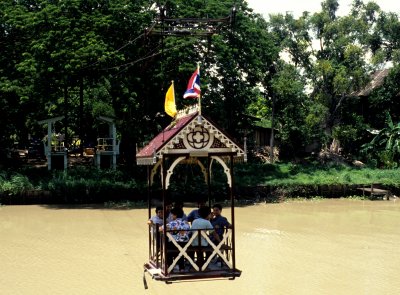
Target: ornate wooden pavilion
[[191, 139]]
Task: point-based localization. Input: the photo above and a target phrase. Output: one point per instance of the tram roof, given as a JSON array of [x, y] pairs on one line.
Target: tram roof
[[193, 135]]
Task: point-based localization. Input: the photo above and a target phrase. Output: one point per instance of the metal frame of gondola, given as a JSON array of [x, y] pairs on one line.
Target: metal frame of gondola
[[167, 152], [158, 268]]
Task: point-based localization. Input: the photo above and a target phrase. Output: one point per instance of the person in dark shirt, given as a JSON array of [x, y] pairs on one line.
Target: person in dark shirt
[[179, 204], [194, 214], [219, 222], [168, 208]]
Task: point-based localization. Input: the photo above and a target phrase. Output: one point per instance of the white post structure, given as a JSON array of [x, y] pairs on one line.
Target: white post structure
[[108, 146], [48, 148]]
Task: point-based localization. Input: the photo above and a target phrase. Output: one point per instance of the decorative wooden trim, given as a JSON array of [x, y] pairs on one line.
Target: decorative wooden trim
[[226, 169], [182, 252], [218, 141], [170, 171]]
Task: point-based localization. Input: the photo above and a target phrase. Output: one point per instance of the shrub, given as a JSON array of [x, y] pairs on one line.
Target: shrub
[[15, 184]]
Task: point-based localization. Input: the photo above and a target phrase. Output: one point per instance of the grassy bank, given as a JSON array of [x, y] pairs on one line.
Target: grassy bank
[[76, 185], [275, 183], [294, 175], [252, 181]]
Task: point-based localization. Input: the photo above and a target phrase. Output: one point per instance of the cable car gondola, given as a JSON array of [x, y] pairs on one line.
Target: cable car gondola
[[192, 139]]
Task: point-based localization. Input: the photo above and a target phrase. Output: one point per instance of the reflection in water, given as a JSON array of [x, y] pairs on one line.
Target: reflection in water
[[311, 247]]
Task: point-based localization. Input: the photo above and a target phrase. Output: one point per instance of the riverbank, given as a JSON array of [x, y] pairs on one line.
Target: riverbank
[[254, 182]]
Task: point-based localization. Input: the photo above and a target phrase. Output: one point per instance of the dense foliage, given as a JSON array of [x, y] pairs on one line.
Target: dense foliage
[[77, 185], [82, 59], [336, 55]]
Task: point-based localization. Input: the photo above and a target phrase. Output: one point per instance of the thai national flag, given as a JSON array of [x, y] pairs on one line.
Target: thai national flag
[[193, 88]]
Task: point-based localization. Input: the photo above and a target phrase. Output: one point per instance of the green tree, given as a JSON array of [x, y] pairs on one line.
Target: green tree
[[385, 146], [291, 106], [71, 58], [232, 61], [85, 58], [329, 53]]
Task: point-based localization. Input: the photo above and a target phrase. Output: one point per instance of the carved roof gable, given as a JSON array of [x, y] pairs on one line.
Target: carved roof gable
[[193, 135]]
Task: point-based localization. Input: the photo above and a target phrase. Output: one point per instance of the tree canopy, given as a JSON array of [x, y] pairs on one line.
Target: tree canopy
[[82, 59], [336, 56]]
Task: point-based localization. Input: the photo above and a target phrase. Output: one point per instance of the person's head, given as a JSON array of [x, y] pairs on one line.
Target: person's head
[[201, 203], [204, 212], [168, 206], [176, 213], [217, 209], [178, 204], [159, 211]]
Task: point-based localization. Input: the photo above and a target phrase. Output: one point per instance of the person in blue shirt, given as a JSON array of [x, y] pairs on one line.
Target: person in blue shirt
[[179, 204], [155, 222], [219, 222], [158, 218], [194, 214]]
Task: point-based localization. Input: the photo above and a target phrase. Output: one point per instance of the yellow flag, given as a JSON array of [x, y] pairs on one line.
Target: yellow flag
[[169, 105]]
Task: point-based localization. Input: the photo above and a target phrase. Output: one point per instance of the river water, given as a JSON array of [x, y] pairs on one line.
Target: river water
[[301, 247]]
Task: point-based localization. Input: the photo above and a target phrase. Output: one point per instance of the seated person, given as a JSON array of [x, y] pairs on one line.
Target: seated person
[[158, 218], [155, 221], [178, 228], [168, 207], [179, 204], [219, 222], [202, 223], [194, 214]]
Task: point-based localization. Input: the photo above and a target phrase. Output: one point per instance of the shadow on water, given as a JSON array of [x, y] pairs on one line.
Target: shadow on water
[[131, 205], [73, 206], [98, 206]]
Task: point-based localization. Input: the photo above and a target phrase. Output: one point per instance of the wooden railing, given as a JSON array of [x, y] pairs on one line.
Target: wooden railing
[[104, 144], [220, 252]]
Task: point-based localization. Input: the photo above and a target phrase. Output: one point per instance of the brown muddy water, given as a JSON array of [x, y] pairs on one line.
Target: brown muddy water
[[308, 247]]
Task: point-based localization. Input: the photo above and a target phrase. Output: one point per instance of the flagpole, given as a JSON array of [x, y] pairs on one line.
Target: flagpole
[[198, 70]]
